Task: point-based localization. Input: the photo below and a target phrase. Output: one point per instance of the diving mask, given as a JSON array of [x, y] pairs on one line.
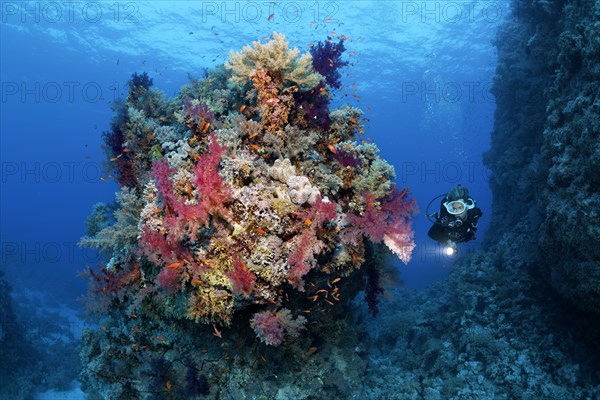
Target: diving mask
[[457, 207]]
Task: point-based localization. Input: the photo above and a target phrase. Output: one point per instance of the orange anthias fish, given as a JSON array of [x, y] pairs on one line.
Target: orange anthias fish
[[174, 265], [217, 332]]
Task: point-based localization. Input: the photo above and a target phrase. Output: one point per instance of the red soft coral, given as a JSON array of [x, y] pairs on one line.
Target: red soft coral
[[213, 192], [241, 279], [108, 286], [154, 242], [398, 208], [301, 259], [319, 213], [162, 172], [372, 223]]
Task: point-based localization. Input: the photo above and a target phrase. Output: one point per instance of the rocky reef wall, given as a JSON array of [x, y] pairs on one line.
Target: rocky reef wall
[[545, 153]]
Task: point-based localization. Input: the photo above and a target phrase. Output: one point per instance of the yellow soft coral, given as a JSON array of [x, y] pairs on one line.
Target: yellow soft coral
[[282, 63], [211, 305]]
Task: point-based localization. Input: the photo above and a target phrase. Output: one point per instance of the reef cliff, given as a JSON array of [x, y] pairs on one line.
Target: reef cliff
[[545, 153]]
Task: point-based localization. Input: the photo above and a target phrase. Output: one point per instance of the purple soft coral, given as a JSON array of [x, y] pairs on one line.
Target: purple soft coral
[[315, 106], [327, 59], [199, 118], [346, 158]]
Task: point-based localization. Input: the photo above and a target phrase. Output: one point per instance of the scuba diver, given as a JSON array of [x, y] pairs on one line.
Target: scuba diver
[[457, 220]]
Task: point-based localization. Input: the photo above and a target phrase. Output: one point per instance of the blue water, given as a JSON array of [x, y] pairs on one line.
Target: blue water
[[421, 71]]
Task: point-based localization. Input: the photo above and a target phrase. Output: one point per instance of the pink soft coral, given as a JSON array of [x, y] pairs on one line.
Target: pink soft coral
[[267, 327], [301, 260], [168, 279], [389, 223], [270, 326]]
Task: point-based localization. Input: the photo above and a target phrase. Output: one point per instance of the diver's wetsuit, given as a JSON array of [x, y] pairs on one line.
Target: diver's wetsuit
[[451, 227]]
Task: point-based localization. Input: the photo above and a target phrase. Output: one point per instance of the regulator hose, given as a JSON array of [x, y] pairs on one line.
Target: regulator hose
[[427, 214]]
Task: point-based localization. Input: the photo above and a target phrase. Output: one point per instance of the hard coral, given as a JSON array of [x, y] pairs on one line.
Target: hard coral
[[282, 170], [301, 191]]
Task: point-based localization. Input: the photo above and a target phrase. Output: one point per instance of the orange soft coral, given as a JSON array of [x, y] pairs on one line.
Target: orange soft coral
[[274, 102]]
